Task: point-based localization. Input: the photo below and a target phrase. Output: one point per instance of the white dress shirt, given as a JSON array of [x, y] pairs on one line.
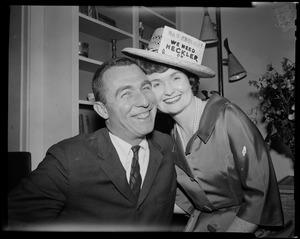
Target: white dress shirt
[[125, 154]]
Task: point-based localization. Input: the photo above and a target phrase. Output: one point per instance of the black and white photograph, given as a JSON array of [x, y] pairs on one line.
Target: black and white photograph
[[153, 119]]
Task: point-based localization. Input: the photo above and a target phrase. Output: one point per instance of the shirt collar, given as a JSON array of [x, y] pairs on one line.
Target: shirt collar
[[124, 147], [124, 144]]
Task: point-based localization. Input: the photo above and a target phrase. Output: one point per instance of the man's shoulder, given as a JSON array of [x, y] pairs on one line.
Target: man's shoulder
[[160, 135], [160, 138], [77, 142]]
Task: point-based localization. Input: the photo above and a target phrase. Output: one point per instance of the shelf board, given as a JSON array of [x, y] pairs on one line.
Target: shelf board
[[100, 29], [85, 102], [87, 64], [167, 12], [144, 41], [153, 19]]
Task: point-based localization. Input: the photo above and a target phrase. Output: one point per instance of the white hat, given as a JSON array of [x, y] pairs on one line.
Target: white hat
[[174, 48]]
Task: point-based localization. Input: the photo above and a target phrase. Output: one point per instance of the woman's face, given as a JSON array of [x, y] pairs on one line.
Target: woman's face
[[172, 90]]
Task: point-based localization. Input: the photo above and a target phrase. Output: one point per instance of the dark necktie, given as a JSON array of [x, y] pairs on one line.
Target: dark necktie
[[135, 180]]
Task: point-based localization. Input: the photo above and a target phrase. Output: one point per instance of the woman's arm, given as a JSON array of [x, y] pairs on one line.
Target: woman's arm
[[262, 205]]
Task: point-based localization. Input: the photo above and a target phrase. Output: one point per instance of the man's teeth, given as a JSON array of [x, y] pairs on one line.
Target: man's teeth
[[143, 115], [172, 99]]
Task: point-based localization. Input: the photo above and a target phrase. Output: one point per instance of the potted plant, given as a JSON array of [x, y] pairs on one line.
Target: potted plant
[[276, 94]]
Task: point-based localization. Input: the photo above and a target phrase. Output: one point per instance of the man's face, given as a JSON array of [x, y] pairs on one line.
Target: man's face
[[131, 104]]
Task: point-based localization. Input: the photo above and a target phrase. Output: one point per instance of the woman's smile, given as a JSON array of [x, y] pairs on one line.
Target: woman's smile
[[172, 100]]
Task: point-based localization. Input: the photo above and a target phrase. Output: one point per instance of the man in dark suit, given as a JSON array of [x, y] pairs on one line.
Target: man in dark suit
[[85, 181]]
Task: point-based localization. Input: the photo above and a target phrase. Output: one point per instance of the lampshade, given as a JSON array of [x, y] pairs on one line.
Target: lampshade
[[208, 32], [235, 70]]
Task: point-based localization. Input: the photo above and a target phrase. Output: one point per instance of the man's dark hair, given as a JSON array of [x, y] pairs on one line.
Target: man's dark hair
[[98, 83]]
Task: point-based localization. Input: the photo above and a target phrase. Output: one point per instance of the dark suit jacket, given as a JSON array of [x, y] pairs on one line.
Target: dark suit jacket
[[81, 180]]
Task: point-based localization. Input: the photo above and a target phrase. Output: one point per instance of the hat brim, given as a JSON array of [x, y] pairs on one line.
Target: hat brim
[[199, 70]]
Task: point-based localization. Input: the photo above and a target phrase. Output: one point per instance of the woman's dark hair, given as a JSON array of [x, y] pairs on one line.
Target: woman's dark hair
[[98, 83], [150, 67]]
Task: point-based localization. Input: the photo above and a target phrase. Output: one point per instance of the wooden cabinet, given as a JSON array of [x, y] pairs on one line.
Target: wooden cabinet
[[98, 30]]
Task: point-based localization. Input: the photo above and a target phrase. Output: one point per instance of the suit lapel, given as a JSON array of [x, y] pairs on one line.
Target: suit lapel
[[112, 166], [155, 160]]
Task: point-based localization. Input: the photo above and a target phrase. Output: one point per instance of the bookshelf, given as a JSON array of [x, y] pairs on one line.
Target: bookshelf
[[98, 28], [49, 81]]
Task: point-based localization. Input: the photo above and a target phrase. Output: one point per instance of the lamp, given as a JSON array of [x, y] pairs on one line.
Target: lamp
[[208, 32], [236, 71], [211, 33]]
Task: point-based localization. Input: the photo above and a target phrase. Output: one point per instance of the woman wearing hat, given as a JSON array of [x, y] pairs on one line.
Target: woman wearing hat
[[224, 170]]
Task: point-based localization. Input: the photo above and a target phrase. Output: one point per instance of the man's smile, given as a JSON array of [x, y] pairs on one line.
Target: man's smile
[[143, 115]]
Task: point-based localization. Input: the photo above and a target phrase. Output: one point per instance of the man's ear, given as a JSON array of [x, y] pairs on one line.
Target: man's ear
[[101, 110]]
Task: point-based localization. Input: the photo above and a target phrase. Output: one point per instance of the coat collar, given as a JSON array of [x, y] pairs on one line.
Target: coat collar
[[210, 116], [207, 122], [208, 119], [155, 161], [112, 166]]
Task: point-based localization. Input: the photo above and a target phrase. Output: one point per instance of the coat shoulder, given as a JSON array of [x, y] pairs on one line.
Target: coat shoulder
[[76, 143], [164, 140]]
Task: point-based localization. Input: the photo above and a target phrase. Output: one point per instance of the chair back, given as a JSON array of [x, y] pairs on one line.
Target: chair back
[[18, 167]]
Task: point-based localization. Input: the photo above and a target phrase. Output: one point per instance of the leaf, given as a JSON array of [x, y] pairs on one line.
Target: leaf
[[270, 67]]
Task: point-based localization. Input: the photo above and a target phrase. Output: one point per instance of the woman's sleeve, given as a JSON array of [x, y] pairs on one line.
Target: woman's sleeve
[[262, 204]]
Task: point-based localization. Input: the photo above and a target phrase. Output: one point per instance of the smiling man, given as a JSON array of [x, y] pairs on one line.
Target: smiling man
[[99, 181], [129, 105]]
